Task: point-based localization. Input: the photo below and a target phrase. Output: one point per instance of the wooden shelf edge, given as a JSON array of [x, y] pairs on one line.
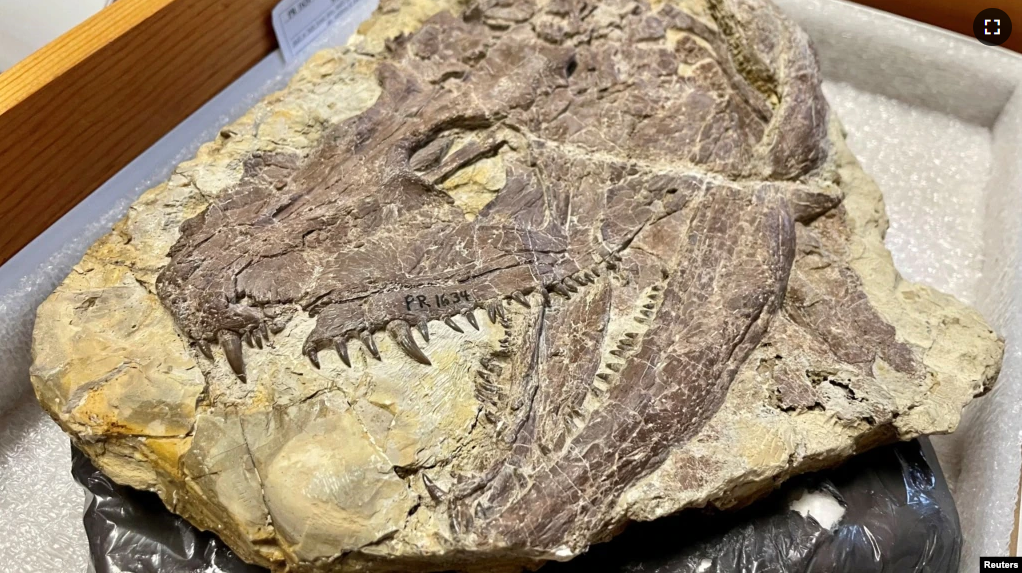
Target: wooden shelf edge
[[81, 108]]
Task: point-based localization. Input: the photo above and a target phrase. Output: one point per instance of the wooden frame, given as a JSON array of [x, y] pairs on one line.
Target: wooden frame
[[80, 109]]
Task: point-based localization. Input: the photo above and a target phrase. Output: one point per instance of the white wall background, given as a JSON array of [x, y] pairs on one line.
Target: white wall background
[[27, 25]]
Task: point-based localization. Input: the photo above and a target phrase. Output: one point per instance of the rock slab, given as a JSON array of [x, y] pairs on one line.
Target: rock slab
[[496, 279]]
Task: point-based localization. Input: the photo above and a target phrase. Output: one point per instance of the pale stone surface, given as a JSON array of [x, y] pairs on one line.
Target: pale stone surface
[[322, 469]]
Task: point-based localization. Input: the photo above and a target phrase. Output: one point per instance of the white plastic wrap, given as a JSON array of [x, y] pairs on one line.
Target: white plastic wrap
[[931, 115]]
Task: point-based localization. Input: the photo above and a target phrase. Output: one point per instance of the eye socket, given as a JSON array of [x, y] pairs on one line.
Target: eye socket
[[569, 70]]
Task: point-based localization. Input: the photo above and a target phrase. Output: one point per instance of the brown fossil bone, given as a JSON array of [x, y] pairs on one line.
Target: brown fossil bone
[[362, 234], [707, 169]]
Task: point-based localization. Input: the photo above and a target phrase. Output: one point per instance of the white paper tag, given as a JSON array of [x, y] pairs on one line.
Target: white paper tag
[[298, 23]]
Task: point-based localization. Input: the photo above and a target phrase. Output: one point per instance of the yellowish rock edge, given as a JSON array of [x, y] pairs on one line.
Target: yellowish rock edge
[[111, 367]]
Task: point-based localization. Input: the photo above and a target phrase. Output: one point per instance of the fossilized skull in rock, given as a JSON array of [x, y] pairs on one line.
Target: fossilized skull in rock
[[609, 133], [489, 318], [651, 186]]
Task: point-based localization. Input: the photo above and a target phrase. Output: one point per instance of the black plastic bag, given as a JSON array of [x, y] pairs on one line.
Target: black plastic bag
[[132, 531], [899, 518]]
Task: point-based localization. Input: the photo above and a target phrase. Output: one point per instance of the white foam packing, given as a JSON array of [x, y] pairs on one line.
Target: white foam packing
[[933, 117], [821, 506]]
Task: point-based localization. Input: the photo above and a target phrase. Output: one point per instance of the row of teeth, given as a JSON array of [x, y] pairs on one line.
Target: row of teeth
[[399, 330], [575, 418], [490, 393], [487, 391], [627, 345]]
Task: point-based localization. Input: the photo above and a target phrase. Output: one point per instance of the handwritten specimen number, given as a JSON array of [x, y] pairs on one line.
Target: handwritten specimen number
[[441, 300]]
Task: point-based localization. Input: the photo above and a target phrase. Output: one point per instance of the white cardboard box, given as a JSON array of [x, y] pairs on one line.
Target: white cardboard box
[[935, 117], [944, 141]]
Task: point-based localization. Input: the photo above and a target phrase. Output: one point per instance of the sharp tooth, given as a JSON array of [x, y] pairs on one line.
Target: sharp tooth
[[641, 320], [500, 310], [341, 346], [313, 356], [489, 391], [589, 276], [491, 312], [520, 299], [231, 343], [649, 305], [248, 339], [256, 339], [595, 271], [454, 325], [611, 265], [615, 366], [569, 284], [434, 491], [205, 349], [559, 289], [402, 335], [617, 353], [370, 344], [626, 343], [575, 422], [424, 329], [485, 397], [546, 296], [646, 313], [264, 331], [603, 376], [631, 334], [470, 315], [657, 288], [485, 376]]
